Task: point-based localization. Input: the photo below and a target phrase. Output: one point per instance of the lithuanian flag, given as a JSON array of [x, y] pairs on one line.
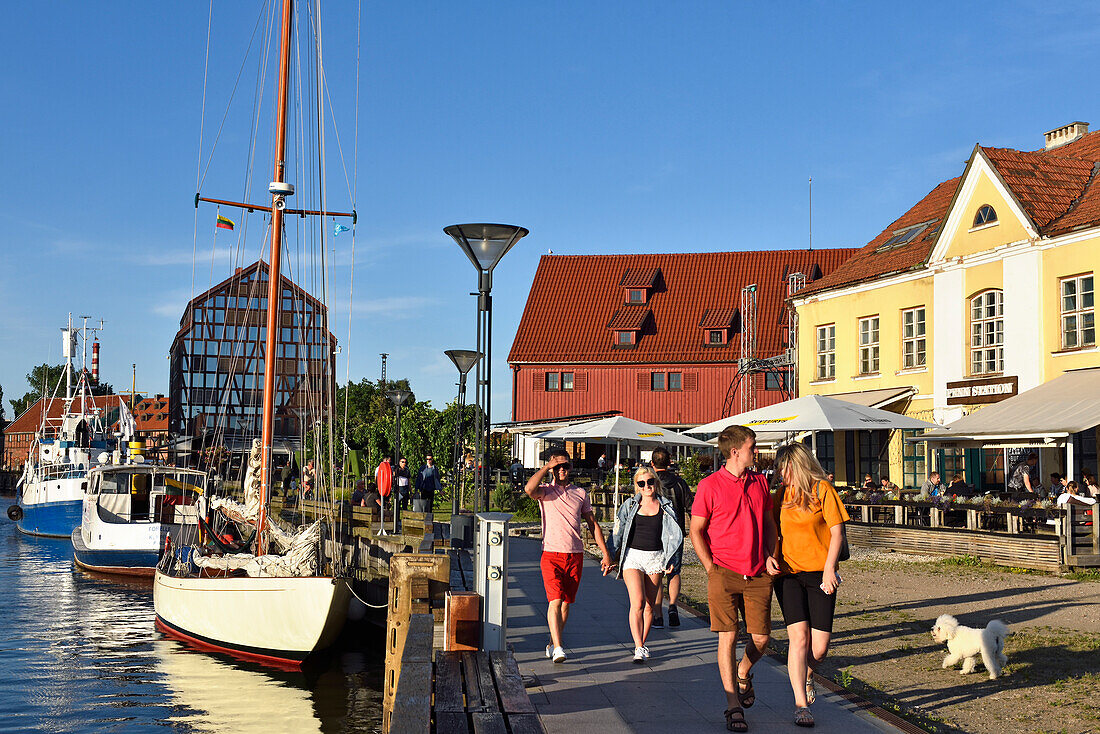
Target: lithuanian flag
[[224, 222]]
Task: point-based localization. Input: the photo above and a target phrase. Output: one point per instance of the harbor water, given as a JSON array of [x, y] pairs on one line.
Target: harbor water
[[79, 653]]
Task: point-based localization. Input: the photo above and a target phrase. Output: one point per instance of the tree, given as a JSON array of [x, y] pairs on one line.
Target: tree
[[3, 418], [50, 377]]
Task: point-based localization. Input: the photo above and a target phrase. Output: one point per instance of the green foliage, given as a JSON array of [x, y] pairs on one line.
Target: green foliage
[[694, 468], [527, 509], [43, 375], [371, 424]]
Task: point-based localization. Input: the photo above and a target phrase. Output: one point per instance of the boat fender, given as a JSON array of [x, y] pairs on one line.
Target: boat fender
[[15, 513]]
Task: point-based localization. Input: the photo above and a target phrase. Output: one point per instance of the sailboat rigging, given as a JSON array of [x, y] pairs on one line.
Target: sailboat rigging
[[275, 607]]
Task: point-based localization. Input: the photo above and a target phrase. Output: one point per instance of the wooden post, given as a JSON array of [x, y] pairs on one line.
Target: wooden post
[[1013, 522], [412, 577], [411, 707], [971, 519], [899, 514]]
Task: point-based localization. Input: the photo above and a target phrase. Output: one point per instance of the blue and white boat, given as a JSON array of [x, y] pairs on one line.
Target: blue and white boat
[[55, 476], [130, 511]]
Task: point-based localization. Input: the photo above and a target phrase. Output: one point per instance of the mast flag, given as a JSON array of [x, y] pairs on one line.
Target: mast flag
[[336, 230], [224, 223]]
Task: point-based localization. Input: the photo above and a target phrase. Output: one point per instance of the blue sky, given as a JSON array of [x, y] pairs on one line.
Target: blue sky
[[608, 127]]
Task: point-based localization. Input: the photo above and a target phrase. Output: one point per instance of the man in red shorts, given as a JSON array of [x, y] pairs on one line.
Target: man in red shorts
[[734, 534], [562, 506]]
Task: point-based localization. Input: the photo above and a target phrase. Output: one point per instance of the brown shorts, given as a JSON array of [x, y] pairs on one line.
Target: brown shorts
[[728, 592]]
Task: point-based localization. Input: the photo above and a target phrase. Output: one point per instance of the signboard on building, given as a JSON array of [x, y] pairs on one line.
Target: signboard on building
[[984, 390]]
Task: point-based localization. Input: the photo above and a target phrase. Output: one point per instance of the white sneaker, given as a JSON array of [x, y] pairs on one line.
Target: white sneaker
[[549, 651], [639, 655], [558, 655], [645, 652]]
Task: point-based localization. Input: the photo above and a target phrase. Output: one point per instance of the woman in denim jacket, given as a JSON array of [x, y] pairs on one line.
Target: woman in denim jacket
[[647, 545]]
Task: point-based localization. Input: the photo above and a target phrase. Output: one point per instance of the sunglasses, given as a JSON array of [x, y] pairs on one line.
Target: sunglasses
[[566, 465], [651, 482]]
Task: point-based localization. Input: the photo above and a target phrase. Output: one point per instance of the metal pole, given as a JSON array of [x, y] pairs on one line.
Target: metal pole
[[457, 448], [396, 462], [488, 396], [479, 386]]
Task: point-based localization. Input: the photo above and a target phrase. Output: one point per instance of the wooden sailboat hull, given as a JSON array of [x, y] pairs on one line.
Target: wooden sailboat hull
[[274, 620]]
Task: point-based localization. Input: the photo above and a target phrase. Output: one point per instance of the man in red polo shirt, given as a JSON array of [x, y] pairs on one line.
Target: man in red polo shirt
[[734, 534], [562, 506]]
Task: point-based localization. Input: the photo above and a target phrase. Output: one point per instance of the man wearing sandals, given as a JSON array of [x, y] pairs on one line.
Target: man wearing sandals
[[734, 534]]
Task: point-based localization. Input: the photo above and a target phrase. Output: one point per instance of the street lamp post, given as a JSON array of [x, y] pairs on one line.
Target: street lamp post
[[398, 398], [484, 245], [464, 360]]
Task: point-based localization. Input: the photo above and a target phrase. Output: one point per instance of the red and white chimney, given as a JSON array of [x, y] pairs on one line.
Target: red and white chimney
[[95, 362]]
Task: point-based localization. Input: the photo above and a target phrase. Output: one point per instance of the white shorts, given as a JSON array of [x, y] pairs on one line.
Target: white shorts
[[648, 562]]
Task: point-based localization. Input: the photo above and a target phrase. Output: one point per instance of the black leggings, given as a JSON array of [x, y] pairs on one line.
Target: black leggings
[[802, 600]]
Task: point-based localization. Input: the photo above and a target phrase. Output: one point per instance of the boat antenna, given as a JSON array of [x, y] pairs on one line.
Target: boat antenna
[[811, 213]]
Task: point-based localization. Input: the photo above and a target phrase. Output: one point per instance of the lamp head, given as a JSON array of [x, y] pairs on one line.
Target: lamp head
[[464, 359], [485, 244], [398, 397]]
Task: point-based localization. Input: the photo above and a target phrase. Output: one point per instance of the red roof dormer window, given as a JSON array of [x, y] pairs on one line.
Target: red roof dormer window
[[717, 324], [627, 324], [638, 284]]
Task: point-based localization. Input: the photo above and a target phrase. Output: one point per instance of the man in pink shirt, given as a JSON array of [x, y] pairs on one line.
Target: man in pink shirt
[[562, 506], [734, 534]]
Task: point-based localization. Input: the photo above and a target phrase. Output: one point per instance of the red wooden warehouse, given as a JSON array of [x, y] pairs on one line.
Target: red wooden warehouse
[[657, 337]]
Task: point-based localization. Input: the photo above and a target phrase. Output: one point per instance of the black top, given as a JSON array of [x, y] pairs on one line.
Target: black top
[[646, 533], [677, 491]]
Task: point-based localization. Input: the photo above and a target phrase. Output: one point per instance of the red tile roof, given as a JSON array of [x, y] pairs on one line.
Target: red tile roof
[[1057, 189], [572, 327], [640, 277], [31, 418], [629, 318], [717, 318]]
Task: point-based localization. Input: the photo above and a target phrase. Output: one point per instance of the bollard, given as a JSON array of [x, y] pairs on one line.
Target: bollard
[[491, 575]]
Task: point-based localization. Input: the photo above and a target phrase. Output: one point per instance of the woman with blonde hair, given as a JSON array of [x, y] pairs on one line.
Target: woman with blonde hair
[[810, 518], [645, 546]]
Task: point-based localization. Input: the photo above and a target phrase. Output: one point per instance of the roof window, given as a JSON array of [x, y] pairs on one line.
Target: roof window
[[904, 236], [986, 215]]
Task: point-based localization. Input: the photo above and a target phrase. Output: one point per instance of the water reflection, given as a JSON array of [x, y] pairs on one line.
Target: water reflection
[[79, 653]]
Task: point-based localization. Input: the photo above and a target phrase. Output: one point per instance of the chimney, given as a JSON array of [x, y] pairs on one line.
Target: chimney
[[95, 362], [1066, 134]]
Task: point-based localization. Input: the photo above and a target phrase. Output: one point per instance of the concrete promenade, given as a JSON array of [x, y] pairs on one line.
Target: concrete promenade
[[599, 688]]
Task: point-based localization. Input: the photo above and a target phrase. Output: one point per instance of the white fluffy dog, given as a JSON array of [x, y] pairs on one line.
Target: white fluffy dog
[[967, 643]]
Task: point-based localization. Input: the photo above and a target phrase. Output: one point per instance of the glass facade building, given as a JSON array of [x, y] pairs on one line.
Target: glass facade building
[[217, 360]]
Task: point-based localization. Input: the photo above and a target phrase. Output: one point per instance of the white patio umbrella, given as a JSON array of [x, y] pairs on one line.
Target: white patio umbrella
[[622, 431], [815, 413]]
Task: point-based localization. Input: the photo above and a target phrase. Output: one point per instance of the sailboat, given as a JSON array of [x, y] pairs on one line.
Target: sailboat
[[239, 596], [51, 490]]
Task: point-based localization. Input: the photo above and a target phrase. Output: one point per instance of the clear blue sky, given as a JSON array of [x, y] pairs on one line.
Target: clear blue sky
[[607, 127]]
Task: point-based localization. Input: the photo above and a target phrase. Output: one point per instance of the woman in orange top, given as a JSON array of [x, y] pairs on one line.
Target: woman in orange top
[[810, 519]]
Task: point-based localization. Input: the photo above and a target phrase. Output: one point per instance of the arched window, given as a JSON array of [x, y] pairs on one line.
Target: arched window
[[986, 215], [987, 333]]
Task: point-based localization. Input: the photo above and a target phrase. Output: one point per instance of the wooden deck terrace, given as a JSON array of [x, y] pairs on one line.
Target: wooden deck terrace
[[1046, 539]]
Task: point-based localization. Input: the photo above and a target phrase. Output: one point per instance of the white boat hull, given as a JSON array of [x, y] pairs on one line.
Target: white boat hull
[[273, 620]]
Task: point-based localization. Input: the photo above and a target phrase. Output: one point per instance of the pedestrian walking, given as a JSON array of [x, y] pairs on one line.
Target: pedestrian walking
[[676, 490], [811, 518], [562, 506], [428, 482], [402, 483], [649, 543], [734, 534]]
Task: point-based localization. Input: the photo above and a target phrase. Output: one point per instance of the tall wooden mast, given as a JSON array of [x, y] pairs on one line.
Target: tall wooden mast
[[274, 280]]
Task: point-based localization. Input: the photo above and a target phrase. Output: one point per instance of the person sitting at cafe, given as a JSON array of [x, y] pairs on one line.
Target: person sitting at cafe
[[932, 485], [868, 483], [886, 485], [1073, 496], [958, 486]]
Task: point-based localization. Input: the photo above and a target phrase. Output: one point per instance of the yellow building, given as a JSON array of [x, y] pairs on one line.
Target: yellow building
[[982, 290]]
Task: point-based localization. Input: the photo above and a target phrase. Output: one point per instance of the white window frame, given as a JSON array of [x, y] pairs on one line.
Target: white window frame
[[987, 333], [826, 352], [914, 341], [1078, 311], [868, 345]]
